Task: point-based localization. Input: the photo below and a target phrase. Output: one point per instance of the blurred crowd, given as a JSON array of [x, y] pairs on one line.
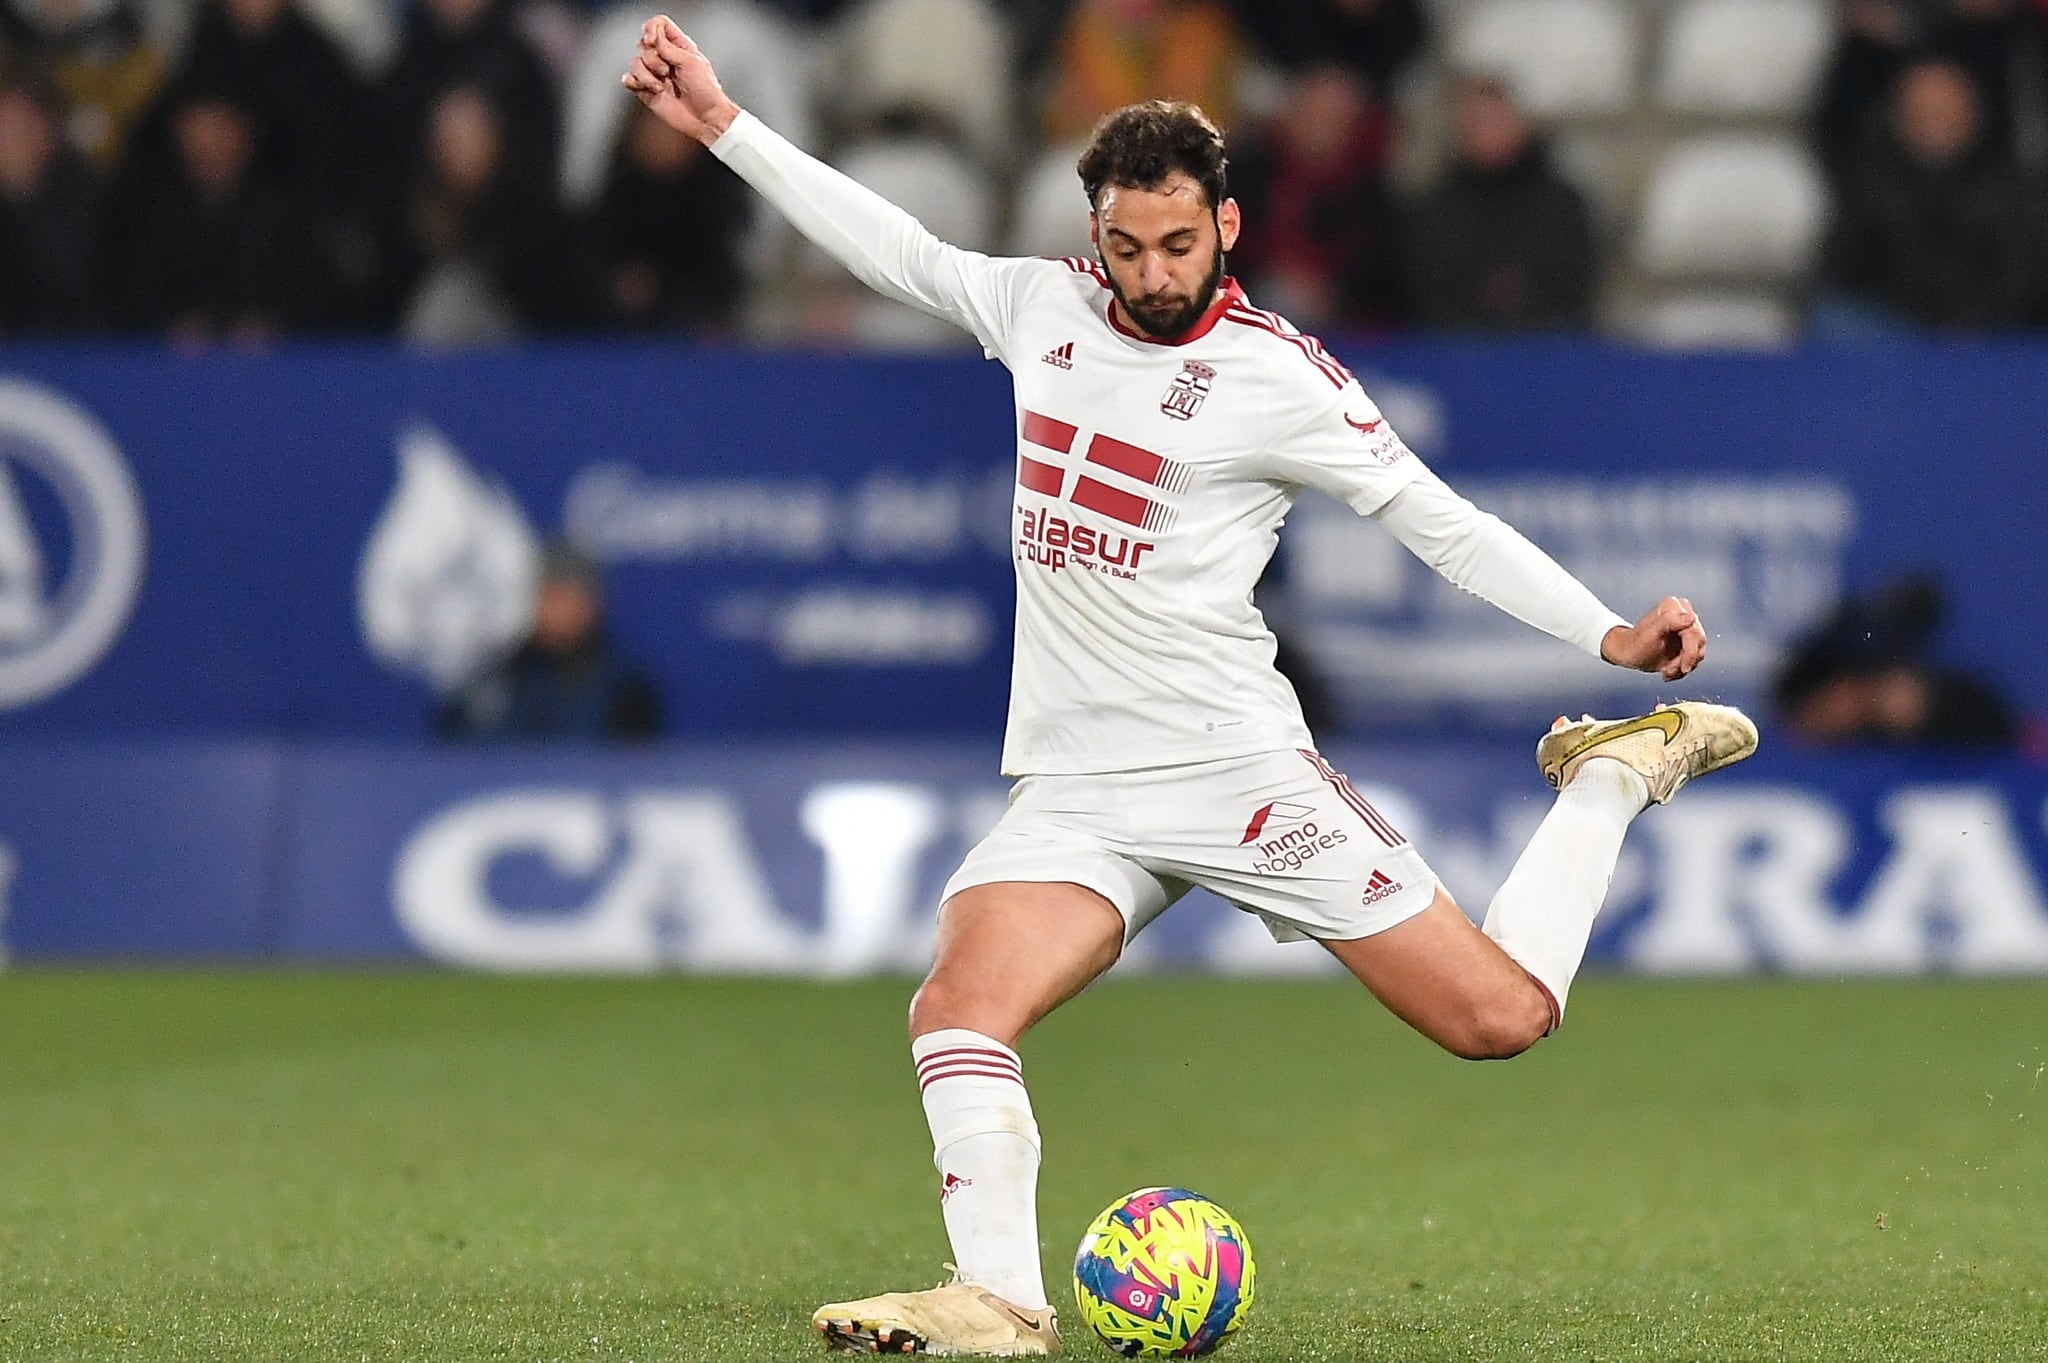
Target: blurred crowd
[[457, 171]]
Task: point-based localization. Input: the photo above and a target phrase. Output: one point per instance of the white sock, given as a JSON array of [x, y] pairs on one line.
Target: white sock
[[1543, 916], [986, 1149]]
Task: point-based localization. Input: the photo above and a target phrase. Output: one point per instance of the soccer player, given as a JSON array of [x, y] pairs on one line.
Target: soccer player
[[1165, 427]]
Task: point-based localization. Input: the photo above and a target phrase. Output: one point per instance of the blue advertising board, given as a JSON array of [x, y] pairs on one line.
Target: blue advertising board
[[297, 543], [822, 860]]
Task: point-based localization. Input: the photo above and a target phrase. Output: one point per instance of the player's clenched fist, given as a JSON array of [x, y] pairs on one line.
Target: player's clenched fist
[[1669, 641], [672, 77]]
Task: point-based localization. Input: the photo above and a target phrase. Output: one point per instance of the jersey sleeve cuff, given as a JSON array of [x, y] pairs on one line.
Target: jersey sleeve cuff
[[738, 135], [1594, 640]]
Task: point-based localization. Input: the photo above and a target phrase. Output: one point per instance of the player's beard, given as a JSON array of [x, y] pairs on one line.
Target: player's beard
[[1165, 316]]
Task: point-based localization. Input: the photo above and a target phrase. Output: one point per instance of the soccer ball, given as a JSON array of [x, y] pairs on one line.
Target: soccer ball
[[1164, 1273]]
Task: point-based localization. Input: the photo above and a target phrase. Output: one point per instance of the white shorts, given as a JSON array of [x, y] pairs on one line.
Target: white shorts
[[1281, 834]]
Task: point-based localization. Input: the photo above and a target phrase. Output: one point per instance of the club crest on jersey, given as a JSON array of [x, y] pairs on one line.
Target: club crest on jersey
[[1184, 395]]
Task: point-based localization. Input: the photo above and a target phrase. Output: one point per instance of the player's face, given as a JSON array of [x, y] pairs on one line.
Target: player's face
[[1163, 249]]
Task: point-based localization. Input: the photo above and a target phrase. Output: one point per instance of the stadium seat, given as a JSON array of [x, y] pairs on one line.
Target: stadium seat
[[1732, 205], [951, 58], [1744, 56], [1561, 57], [760, 62], [1606, 166], [944, 189], [1050, 217], [1718, 321]]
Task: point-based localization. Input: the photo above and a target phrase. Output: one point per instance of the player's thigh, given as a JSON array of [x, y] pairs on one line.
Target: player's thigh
[[1450, 981], [1009, 952]]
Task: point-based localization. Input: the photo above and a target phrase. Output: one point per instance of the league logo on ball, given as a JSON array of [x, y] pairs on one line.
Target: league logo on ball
[[1164, 1273]]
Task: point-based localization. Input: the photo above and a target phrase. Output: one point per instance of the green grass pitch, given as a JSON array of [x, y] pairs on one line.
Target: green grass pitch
[[430, 1167]]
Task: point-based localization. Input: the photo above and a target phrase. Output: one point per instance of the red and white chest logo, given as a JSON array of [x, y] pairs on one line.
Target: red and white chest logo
[[1189, 387], [1086, 485], [1106, 482]]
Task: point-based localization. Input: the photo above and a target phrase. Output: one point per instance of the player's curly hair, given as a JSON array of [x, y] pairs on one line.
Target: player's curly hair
[[1140, 145]]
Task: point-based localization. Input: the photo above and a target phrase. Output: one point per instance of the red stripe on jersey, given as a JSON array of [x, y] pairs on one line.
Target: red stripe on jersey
[[1372, 816], [1081, 265], [1043, 430], [1308, 345], [1041, 478], [1268, 322], [1142, 465], [1127, 507], [1341, 783]]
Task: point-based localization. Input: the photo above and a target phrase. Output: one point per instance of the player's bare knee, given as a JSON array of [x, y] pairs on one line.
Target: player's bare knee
[[941, 1002], [1499, 1028], [933, 1007]]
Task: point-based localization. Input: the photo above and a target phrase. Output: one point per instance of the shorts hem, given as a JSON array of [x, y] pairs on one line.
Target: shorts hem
[[1393, 917], [963, 879]]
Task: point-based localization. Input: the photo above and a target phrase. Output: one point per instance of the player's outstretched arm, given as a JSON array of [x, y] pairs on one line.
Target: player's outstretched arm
[[1344, 447], [1489, 558], [1669, 641], [884, 247]]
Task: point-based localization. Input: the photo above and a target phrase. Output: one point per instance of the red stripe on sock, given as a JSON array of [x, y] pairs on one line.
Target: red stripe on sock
[[985, 1052], [925, 1081]]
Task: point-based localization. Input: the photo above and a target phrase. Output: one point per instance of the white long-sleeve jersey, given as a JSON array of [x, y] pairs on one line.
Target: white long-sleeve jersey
[[1152, 479]]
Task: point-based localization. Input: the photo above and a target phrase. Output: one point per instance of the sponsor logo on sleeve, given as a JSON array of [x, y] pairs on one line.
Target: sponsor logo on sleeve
[[1381, 442]]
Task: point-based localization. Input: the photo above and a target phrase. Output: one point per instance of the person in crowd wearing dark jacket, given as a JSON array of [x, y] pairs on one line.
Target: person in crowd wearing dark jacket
[[1934, 226], [294, 79], [1501, 242], [2003, 44], [1376, 40], [478, 249], [1867, 676], [207, 249], [1313, 185], [472, 44], [668, 231], [308, 111], [50, 205], [565, 681]]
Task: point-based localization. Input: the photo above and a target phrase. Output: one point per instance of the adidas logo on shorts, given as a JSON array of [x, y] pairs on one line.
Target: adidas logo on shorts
[[1379, 887]]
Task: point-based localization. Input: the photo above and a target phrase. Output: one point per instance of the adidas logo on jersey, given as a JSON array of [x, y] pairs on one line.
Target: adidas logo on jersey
[[1061, 356], [1379, 887]]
